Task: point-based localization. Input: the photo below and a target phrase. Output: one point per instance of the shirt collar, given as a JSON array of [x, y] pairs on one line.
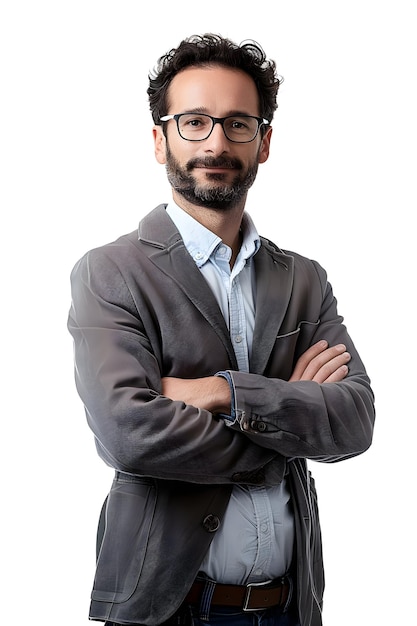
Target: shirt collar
[[202, 243]]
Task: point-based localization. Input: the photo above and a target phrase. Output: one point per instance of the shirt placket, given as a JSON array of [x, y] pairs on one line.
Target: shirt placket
[[264, 528], [236, 307], [238, 324]]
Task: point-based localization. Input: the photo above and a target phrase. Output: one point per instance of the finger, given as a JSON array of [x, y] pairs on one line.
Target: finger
[[329, 368], [338, 375], [324, 360], [306, 358]]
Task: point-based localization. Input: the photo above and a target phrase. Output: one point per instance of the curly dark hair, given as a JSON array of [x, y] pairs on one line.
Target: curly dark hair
[[210, 49]]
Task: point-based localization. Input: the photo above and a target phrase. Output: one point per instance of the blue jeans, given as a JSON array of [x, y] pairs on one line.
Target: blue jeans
[[220, 616], [225, 616]]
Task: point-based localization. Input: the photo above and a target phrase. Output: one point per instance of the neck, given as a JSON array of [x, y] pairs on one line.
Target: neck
[[223, 223]]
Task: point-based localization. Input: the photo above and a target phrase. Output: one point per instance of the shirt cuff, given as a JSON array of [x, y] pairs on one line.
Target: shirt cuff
[[229, 419]]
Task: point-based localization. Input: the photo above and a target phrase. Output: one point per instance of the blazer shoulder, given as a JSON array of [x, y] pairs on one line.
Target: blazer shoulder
[[304, 269], [102, 254], [298, 259], [148, 232]]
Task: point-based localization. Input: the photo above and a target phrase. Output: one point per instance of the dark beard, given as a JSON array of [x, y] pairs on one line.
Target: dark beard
[[216, 196]]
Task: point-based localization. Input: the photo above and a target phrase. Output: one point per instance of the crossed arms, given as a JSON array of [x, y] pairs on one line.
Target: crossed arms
[[320, 363]]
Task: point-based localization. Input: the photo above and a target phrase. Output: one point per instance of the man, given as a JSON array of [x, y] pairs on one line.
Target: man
[[211, 365]]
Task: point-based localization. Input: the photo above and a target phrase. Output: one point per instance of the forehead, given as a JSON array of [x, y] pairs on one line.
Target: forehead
[[214, 89]]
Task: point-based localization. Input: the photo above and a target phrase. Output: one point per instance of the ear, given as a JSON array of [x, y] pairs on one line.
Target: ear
[[264, 147], [159, 144]]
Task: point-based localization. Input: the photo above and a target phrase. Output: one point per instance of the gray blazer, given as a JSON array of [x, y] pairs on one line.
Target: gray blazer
[[142, 310]]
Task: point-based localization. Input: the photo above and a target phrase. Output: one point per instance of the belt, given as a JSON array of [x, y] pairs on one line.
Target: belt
[[252, 597]]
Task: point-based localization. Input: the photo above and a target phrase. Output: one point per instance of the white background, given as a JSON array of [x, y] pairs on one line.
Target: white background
[[77, 170]]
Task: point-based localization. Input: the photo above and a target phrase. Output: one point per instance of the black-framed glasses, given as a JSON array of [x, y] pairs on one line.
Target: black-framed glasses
[[198, 126]]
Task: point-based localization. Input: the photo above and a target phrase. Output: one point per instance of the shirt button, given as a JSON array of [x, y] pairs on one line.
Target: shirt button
[[238, 339], [264, 527], [222, 250], [198, 256]]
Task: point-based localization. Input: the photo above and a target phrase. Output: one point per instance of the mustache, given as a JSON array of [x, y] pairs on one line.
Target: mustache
[[214, 162]]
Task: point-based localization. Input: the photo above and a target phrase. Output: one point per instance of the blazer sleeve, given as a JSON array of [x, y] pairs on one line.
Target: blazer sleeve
[[118, 377], [325, 422]]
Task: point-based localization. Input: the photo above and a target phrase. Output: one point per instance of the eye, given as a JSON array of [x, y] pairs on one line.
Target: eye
[[239, 124], [194, 122]]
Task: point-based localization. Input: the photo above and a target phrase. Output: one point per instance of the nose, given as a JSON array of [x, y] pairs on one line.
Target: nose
[[217, 142]]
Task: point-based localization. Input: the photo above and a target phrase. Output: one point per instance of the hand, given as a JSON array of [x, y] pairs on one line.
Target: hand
[[211, 393], [322, 364]]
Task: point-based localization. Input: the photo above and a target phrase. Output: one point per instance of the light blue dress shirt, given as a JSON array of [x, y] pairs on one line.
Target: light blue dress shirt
[[255, 540]]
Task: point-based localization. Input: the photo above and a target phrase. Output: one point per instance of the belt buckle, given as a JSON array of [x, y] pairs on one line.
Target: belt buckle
[[249, 588]]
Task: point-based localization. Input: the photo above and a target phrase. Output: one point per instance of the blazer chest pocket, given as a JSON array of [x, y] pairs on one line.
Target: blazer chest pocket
[[288, 347], [124, 528]]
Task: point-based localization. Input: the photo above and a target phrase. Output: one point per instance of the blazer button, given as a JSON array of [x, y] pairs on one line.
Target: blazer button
[[211, 523]]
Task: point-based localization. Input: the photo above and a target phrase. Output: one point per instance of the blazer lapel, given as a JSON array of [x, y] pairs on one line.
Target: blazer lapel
[[274, 279], [171, 256]]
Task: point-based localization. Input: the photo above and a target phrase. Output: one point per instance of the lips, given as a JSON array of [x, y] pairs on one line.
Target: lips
[[217, 165], [215, 170]]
